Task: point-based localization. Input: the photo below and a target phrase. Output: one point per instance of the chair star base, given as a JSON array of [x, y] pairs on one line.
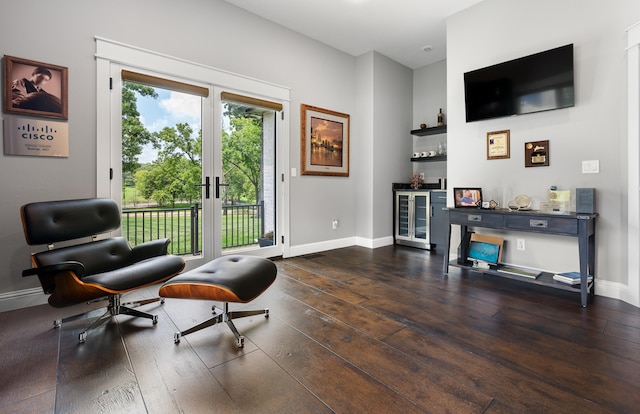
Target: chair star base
[[115, 307], [223, 315]]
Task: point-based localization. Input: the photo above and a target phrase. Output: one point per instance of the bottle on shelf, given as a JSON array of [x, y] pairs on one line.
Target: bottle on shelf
[[440, 118]]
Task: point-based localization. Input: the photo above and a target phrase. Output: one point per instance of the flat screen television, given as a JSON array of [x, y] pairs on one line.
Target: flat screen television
[[535, 83]]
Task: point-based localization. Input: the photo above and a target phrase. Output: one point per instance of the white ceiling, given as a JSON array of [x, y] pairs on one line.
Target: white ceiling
[[398, 29]]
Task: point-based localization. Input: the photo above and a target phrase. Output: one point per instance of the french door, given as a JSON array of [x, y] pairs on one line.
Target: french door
[[248, 189], [203, 173]]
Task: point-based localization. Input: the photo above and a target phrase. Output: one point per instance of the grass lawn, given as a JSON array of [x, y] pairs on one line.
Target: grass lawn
[[149, 224]]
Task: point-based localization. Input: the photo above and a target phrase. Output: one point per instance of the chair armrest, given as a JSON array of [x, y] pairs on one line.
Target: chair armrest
[[150, 249], [75, 267]]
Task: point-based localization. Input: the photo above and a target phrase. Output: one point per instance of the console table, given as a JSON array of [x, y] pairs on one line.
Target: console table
[[577, 225]]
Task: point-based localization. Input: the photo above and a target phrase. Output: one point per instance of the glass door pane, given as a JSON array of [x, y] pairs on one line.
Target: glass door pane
[[421, 216], [403, 211], [162, 167], [248, 187]]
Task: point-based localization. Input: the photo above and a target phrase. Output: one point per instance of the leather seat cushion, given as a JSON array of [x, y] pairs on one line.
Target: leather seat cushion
[[109, 263], [142, 273], [234, 278]]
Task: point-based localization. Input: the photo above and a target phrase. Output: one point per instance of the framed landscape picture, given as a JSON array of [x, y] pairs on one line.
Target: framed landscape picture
[[324, 142], [35, 88]]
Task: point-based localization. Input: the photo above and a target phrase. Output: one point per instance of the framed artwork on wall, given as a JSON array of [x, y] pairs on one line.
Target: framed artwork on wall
[[35, 88], [324, 142], [536, 154], [498, 145]]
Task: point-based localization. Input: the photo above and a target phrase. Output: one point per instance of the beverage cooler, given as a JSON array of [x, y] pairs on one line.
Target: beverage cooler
[[412, 218]]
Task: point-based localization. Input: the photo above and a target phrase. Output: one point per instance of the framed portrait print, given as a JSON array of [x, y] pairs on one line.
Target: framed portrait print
[[498, 145], [324, 142], [35, 88]]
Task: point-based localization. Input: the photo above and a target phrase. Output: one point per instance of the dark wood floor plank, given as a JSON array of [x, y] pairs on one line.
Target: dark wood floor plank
[[339, 288], [171, 377], [433, 391], [29, 357], [582, 369], [511, 346], [96, 376], [37, 404], [340, 385], [349, 313], [511, 390], [624, 332], [259, 385], [620, 344]]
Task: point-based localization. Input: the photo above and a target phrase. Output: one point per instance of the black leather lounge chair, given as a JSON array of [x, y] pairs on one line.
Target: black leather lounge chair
[[92, 269]]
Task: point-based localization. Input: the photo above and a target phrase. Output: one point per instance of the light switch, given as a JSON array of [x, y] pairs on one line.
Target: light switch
[[591, 167], [294, 172]]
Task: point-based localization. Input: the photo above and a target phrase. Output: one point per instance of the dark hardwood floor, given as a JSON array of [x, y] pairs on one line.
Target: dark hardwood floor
[[352, 330]]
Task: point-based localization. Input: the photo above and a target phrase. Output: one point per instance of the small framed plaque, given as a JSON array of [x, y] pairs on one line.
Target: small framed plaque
[[536, 154], [498, 145]]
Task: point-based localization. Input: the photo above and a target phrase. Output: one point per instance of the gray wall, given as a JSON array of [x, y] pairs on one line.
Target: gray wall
[[384, 101], [210, 32], [498, 30], [429, 95], [391, 119]]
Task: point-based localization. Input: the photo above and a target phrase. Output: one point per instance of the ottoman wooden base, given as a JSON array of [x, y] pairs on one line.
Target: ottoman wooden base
[[227, 279]]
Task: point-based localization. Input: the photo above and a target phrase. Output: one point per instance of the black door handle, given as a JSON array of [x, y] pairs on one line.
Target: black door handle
[[218, 185], [207, 187]]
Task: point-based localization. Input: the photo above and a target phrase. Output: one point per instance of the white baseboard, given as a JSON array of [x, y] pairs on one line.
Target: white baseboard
[[614, 290], [22, 299], [310, 248], [374, 243]]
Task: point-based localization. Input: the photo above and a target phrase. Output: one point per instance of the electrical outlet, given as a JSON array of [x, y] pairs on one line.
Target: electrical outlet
[[520, 244], [334, 224], [422, 176]]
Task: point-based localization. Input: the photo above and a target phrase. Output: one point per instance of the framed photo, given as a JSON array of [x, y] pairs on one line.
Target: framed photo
[[498, 145], [35, 88], [324, 142], [536, 154], [467, 197]]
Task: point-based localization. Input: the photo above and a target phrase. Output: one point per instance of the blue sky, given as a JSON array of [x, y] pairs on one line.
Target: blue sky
[[168, 109]]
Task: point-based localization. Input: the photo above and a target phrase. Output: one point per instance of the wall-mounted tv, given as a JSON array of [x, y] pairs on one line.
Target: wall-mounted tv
[[535, 83]]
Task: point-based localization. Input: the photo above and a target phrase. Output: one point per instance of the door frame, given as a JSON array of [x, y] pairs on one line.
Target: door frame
[[281, 211], [108, 125]]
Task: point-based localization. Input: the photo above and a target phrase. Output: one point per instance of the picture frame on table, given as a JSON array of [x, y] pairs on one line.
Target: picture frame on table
[[467, 197], [324, 142]]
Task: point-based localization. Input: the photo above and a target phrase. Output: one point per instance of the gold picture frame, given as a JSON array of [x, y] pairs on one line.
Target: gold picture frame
[[35, 88], [324, 142], [498, 146]]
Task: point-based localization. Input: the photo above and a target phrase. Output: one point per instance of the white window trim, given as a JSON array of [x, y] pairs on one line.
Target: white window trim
[[632, 294]]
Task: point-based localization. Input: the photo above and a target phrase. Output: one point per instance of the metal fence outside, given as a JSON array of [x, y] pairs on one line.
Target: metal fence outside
[[242, 225]]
